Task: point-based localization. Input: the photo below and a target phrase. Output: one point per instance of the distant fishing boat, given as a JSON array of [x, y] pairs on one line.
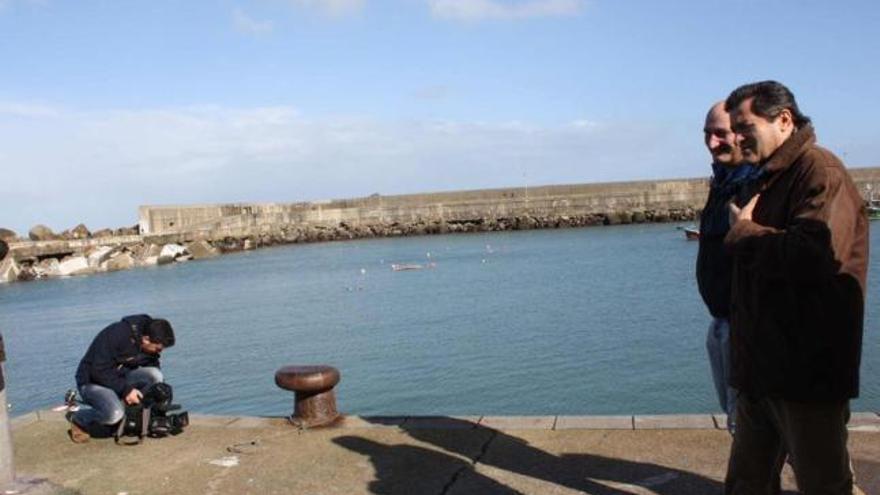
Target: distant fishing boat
[[873, 206], [691, 233], [399, 267]]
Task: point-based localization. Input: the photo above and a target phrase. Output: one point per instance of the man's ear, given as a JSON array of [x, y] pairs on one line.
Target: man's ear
[[786, 119]]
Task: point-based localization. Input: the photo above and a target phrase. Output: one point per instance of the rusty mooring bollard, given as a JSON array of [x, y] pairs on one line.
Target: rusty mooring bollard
[[314, 399]]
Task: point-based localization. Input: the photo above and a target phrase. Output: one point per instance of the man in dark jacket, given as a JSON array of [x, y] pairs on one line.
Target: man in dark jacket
[[800, 251], [714, 264], [121, 362]]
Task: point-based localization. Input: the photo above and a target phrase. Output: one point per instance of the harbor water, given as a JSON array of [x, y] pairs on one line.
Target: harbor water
[[603, 320]]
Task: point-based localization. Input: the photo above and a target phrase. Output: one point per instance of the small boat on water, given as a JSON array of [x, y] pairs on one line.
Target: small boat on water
[[399, 267], [691, 233], [872, 205]]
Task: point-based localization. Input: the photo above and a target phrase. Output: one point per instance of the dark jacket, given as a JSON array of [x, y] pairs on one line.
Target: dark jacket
[[799, 279], [714, 263], [114, 351]]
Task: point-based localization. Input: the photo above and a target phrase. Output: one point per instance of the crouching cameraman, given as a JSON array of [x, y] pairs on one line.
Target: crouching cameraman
[[121, 362]]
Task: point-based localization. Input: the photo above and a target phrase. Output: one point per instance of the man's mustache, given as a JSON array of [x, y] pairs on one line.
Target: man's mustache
[[722, 148]]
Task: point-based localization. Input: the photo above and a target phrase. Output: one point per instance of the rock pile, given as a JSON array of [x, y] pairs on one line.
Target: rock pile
[[7, 235], [108, 258], [295, 234], [103, 259], [44, 233]]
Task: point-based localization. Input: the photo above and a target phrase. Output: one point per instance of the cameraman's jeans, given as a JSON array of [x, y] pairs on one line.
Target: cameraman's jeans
[[107, 408]]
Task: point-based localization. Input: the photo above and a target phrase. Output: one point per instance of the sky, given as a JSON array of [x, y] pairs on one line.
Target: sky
[[107, 105]]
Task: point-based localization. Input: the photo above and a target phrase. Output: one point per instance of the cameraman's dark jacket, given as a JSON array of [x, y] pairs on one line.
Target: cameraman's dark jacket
[[714, 263], [116, 350], [799, 279]]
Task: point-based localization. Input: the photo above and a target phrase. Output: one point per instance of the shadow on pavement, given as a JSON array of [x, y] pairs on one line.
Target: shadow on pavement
[[408, 469]]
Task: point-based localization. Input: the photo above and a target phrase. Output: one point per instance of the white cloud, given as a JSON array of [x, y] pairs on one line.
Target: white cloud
[[585, 124], [18, 109], [480, 10], [98, 167], [331, 7], [243, 23]]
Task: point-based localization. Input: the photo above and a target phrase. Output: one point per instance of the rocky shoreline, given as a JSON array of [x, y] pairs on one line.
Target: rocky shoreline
[[121, 249]]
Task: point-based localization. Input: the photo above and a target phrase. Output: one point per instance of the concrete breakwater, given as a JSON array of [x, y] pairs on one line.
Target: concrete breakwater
[[33, 260], [489, 209], [496, 209], [168, 234]]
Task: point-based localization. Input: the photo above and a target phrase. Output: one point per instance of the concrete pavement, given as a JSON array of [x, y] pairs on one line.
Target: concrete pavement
[[640, 455]]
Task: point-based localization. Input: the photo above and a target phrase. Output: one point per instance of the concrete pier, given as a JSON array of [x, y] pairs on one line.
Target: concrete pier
[[641, 455], [238, 226], [612, 198]]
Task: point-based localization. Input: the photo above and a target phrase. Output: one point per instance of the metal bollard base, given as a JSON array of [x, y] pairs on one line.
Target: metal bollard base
[[314, 410]]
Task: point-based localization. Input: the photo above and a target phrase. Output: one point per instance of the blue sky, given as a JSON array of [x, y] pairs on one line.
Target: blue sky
[[105, 106]]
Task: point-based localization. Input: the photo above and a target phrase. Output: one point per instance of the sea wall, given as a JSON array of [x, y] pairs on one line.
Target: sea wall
[[579, 204], [602, 201], [170, 234]]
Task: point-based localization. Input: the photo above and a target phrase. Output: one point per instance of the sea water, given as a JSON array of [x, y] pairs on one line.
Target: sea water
[[603, 320]]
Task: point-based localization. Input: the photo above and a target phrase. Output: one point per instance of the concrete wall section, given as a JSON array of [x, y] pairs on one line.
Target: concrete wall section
[[453, 206], [446, 206]]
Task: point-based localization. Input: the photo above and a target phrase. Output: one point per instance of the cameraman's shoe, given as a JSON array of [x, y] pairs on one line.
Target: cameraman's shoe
[[70, 399], [76, 433]]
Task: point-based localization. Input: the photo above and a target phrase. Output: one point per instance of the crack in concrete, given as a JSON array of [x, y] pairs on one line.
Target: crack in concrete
[[483, 450]]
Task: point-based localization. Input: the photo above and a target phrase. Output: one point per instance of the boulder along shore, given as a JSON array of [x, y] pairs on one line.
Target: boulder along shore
[[81, 252]]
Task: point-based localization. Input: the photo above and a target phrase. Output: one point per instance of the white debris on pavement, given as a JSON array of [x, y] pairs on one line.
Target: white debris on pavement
[[229, 461]]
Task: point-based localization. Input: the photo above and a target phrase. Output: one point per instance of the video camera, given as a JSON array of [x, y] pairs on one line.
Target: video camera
[[152, 417]]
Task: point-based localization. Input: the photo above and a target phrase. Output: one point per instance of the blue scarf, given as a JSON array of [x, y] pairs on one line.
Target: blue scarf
[[726, 183]]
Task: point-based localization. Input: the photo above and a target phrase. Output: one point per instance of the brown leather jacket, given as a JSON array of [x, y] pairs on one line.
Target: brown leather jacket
[[799, 279]]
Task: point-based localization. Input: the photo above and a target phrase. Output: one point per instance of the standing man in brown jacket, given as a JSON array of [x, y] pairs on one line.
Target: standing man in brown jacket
[[800, 248]]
